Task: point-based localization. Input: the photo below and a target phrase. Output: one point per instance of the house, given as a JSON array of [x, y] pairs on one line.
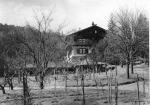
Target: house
[[82, 42]]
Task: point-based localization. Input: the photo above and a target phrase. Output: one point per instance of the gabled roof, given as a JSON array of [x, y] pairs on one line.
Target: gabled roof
[[90, 32], [91, 28]]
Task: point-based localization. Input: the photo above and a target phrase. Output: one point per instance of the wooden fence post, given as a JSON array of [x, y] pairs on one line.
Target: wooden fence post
[[83, 85], [138, 88], [116, 88], [143, 85]]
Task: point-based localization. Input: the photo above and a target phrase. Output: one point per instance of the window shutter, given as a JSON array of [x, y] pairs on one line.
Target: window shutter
[[86, 51], [78, 51]]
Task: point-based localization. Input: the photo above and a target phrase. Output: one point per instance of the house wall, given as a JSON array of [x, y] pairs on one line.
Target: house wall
[[75, 53]]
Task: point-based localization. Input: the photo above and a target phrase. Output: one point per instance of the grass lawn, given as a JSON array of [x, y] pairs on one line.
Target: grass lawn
[[94, 95]]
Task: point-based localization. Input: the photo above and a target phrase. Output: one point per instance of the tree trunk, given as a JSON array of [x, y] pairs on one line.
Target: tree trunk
[[41, 82], [11, 84], [3, 89], [26, 90], [19, 77], [121, 64], [132, 70], [128, 66]]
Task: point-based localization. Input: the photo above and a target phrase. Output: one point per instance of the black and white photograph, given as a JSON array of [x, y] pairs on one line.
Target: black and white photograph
[[74, 52]]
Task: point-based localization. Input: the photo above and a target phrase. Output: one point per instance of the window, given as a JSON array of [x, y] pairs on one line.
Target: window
[[82, 40], [95, 31], [82, 50]]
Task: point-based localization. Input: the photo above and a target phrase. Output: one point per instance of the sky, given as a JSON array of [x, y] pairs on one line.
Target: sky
[[72, 14]]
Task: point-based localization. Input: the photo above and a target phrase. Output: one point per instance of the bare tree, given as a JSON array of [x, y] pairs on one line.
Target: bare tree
[[8, 58], [16, 56], [128, 35], [44, 44]]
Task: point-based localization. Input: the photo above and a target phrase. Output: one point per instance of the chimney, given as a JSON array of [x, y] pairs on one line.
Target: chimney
[[93, 24]]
